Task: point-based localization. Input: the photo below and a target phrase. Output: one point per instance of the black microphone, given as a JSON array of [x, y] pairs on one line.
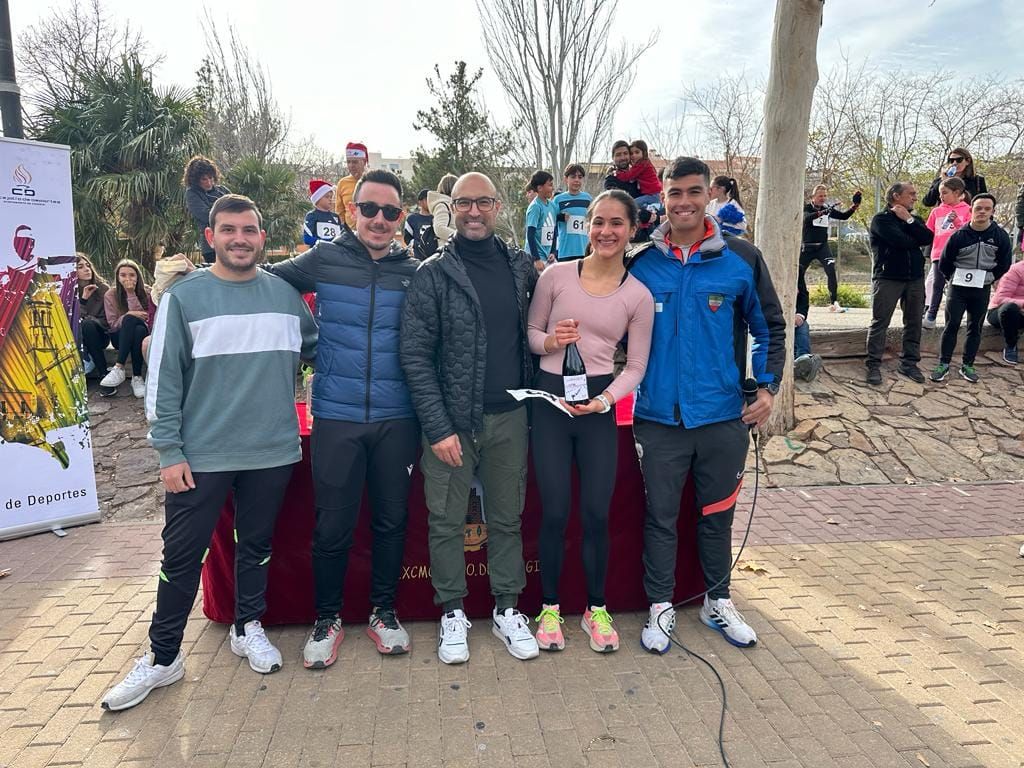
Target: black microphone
[[750, 391], [750, 394]]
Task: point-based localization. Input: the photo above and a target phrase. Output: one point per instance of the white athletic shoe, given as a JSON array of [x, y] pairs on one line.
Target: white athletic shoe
[[452, 642], [114, 377], [138, 386], [512, 628], [387, 632], [253, 645], [144, 677], [661, 621], [721, 615]]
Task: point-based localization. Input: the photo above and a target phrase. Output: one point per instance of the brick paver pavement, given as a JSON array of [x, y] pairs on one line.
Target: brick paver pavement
[[889, 622]]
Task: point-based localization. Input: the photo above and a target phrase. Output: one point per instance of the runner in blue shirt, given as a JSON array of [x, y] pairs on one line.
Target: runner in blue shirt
[[570, 232], [540, 219]]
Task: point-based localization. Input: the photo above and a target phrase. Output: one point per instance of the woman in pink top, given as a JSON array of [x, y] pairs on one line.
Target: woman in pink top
[[1006, 308], [946, 218], [595, 303], [129, 308]]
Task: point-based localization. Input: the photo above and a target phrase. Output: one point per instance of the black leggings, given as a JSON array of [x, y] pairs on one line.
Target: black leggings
[[938, 286], [189, 521], [128, 340], [811, 252], [591, 440], [94, 340]]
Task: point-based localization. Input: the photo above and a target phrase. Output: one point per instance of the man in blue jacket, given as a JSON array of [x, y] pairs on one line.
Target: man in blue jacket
[[365, 431], [709, 291]]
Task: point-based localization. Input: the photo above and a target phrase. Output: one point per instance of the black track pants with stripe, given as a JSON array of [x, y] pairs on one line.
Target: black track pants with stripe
[[189, 521], [715, 454]]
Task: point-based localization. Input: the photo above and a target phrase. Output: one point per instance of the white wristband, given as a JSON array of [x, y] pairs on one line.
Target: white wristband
[[604, 401]]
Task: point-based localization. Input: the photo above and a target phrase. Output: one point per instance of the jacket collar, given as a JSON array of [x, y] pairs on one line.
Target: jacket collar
[[348, 240], [712, 244]]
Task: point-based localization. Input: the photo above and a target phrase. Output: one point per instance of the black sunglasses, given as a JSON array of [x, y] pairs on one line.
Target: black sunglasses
[[955, 159], [369, 210]]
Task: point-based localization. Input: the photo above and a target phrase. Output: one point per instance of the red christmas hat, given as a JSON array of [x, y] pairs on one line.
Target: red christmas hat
[[355, 149], [318, 188]]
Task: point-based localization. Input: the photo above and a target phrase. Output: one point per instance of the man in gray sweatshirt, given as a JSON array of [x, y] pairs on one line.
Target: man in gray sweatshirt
[[220, 400]]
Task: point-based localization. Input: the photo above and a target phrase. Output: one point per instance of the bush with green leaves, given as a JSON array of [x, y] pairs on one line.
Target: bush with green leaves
[[849, 296]]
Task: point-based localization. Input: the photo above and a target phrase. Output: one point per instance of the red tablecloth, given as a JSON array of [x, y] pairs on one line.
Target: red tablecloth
[[290, 585]]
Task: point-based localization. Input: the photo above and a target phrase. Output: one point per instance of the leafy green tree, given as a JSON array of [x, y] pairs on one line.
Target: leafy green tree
[[129, 143], [462, 128], [274, 188]]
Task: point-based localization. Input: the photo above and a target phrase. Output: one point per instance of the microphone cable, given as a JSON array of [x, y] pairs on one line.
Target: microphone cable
[[750, 394]]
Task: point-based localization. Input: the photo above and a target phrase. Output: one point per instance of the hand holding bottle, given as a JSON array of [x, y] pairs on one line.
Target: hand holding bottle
[[566, 332]]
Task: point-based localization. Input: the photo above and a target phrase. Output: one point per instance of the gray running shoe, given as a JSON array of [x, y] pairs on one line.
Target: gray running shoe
[[386, 632], [321, 647]]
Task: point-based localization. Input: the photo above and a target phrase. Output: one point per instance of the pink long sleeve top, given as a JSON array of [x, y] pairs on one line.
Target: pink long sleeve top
[[603, 322]]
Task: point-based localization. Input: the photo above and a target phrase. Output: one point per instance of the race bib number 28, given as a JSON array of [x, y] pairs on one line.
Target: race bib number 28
[[327, 230]]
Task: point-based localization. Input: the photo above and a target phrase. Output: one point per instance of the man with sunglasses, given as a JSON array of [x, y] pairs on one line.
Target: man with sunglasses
[[365, 431], [464, 344]]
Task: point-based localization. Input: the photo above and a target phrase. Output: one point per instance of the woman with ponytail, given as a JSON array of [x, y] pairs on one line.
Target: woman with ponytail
[[725, 206]]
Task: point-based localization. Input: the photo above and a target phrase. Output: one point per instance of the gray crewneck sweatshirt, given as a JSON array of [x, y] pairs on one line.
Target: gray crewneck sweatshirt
[[222, 363]]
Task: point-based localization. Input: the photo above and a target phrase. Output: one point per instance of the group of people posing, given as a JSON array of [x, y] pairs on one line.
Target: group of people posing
[[416, 359]]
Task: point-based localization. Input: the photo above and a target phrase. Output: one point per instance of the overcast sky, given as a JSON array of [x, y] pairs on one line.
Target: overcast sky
[[344, 73]]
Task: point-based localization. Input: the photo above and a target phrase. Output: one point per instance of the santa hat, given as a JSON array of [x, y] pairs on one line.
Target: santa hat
[[355, 149], [317, 189]]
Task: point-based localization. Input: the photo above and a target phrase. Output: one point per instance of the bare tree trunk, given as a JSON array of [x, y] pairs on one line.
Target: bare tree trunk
[[791, 81]]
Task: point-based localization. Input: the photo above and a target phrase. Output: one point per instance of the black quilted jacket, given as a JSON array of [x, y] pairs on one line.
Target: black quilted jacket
[[444, 345]]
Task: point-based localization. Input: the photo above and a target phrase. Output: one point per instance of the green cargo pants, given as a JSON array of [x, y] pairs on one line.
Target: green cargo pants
[[497, 456]]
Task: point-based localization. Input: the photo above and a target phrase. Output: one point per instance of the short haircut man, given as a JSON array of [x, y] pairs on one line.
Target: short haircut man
[[709, 292], [231, 323], [365, 434]]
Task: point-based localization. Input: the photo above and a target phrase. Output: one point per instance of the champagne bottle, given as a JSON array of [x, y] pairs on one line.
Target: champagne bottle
[[574, 376]]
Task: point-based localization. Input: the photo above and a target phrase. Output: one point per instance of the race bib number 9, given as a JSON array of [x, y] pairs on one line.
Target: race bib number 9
[[969, 278], [575, 225], [327, 230]]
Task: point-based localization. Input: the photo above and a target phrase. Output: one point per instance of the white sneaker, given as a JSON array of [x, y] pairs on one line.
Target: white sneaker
[[836, 307], [513, 629], [114, 377], [144, 677], [138, 386], [721, 615], [927, 322], [452, 643], [661, 621], [254, 645]]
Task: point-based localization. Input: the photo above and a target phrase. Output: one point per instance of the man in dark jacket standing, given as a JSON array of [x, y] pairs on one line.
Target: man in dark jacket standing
[[464, 344], [897, 237], [365, 431]]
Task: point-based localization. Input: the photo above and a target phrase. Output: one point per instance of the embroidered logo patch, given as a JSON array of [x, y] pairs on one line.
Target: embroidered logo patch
[[715, 301]]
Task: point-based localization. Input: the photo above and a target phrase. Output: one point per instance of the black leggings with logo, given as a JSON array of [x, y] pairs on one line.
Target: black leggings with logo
[[591, 443]]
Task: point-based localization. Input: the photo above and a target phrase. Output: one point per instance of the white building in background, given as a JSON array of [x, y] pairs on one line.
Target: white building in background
[[398, 165]]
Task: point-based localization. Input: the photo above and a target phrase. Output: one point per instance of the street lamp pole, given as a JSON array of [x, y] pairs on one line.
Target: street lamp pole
[[10, 94]]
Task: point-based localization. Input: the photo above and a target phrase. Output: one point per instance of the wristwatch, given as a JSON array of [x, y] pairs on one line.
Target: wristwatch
[[772, 387], [604, 401]]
